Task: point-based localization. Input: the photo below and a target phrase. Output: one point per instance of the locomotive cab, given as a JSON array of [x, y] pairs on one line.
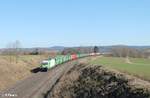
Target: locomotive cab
[[44, 65]]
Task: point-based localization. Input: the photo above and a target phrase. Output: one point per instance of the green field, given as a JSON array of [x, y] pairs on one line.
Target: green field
[[136, 66], [140, 60]]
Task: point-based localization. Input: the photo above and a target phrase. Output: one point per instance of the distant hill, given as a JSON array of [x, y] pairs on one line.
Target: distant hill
[[61, 48], [108, 48], [57, 48]]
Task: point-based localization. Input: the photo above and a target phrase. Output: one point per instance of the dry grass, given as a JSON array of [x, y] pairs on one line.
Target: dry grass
[[11, 72]]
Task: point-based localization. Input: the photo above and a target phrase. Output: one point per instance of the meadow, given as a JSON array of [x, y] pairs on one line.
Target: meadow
[[139, 67]]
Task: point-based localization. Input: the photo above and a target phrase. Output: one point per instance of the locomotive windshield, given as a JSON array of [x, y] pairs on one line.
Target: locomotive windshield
[[44, 63]]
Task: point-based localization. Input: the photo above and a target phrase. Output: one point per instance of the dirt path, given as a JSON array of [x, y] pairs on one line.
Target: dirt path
[[128, 61], [38, 84]]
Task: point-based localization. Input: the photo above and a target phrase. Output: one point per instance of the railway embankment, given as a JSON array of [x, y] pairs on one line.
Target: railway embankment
[[93, 81]]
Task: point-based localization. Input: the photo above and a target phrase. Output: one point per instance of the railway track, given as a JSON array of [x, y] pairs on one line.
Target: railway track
[[37, 85]]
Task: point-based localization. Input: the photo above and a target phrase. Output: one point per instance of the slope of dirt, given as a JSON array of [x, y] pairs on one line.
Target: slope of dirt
[[11, 72], [97, 82]]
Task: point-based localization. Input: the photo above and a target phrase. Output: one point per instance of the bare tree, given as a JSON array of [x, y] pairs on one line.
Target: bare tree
[[13, 51], [96, 49], [124, 51], [9, 51], [17, 49], [69, 51]]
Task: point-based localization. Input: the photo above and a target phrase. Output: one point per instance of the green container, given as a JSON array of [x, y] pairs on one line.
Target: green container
[[58, 60], [61, 59], [65, 58], [69, 57]]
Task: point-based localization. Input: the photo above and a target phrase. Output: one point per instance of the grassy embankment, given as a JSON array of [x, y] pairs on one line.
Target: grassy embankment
[[11, 72]]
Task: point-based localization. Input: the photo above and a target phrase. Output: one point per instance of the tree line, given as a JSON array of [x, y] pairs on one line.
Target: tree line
[[13, 51], [80, 50], [125, 51]]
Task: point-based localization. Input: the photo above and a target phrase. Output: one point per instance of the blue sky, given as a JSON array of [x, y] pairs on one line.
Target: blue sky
[[45, 23]]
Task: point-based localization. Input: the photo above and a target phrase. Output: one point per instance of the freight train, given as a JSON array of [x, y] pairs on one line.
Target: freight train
[[60, 59]]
